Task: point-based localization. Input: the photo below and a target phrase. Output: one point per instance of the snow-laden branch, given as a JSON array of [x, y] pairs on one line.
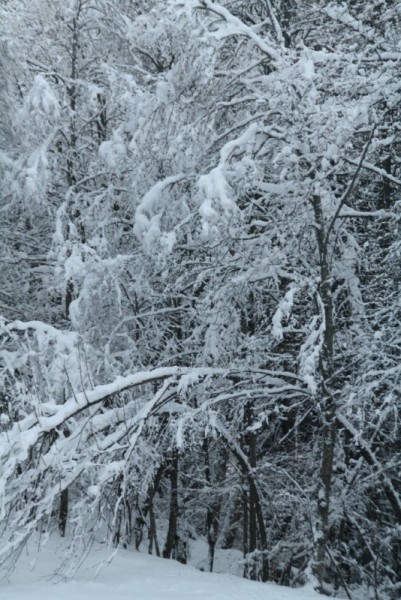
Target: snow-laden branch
[[236, 27], [283, 312], [26, 432], [89, 398], [371, 458], [147, 221], [347, 211], [64, 339], [214, 186], [370, 167], [310, 351], [340, 13], [275, 23], [351, 186]]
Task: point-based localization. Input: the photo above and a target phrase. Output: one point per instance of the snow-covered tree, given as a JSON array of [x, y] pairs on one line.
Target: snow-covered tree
[[202, 197]]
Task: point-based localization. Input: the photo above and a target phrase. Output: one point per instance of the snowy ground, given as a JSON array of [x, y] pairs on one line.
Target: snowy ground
[[135, 576]]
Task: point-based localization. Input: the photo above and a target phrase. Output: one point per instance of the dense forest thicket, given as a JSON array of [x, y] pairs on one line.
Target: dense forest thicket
[[200, 266]]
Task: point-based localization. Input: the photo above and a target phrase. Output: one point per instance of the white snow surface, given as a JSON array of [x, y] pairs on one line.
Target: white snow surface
[[134, 576]]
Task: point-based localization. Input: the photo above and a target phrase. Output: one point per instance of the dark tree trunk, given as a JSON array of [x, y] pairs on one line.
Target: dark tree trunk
[[252, 493], [63, 512], [173, 514], [328, 406], [152, 530], [213, 508]]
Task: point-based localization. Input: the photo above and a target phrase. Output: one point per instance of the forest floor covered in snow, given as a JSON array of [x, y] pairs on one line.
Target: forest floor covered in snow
[[133, 576]]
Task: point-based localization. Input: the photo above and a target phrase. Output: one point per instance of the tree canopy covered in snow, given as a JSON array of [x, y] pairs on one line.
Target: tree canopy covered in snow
[[199, 291]]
